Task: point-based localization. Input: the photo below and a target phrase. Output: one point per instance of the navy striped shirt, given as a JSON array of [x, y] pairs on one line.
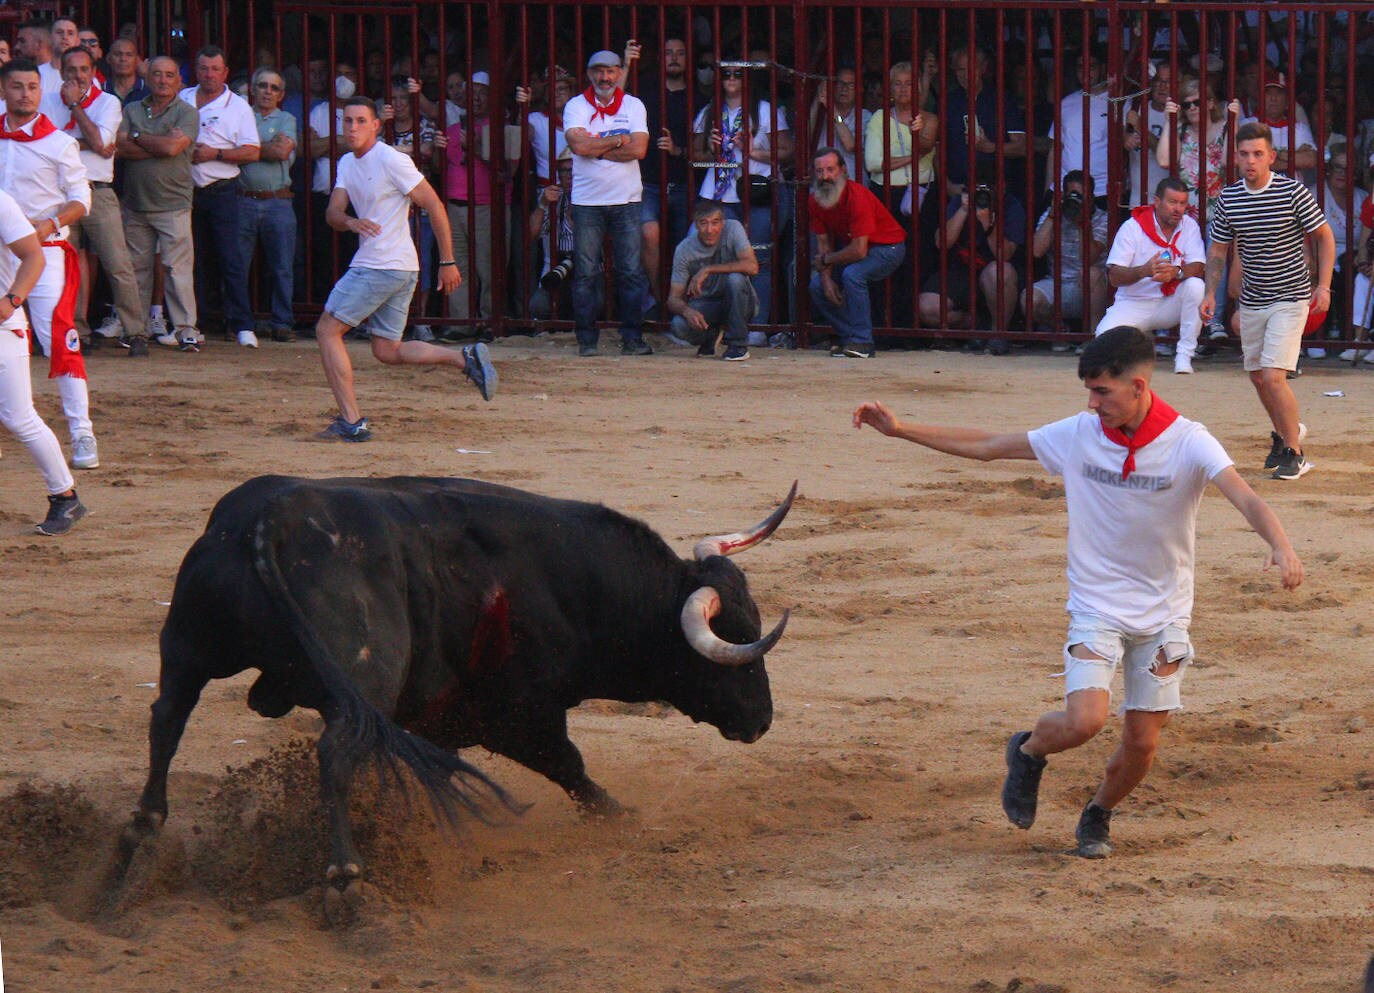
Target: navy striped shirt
[[1269, 227]]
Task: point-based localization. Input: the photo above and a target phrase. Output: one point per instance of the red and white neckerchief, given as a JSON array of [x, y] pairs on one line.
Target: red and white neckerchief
[[609, 110], [42, 127], [1157, 419], [1149, 223], [84, 103]]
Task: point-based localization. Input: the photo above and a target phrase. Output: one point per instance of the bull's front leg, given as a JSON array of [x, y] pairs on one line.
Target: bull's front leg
[[544, 747]]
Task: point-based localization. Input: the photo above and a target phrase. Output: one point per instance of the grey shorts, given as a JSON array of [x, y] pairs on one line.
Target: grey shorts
[[1136, 654], [377, 299]]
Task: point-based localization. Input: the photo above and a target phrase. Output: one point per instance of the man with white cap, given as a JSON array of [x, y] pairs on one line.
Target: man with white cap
[[608, 132]]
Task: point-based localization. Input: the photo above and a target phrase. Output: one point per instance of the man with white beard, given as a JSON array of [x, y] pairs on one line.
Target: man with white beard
[[858, 243]]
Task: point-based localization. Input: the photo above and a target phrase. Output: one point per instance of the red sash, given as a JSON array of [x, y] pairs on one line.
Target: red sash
[[85, 103], [64, 357], [608, 111], [42, 127], [1145, 216], [1159, 417]]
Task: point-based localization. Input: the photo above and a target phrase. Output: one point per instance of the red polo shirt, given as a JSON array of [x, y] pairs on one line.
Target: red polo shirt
[[858, 214]]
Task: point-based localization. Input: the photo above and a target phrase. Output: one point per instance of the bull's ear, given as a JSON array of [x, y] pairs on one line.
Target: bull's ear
[[728, 544]]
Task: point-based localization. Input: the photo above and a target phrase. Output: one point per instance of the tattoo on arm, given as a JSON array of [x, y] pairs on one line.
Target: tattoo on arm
[[1215, 265]]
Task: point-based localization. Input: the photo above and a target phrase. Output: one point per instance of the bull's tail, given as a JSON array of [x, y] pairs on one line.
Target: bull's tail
[[365, 733]]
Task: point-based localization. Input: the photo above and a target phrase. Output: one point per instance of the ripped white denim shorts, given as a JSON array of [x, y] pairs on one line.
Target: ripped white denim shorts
[[1136, 654]]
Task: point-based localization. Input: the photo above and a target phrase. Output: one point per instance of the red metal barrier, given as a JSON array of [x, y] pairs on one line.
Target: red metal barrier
[[1035, 51]]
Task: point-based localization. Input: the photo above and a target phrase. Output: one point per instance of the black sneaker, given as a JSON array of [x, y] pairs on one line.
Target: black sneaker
[[138, 347], [1292, 465], [707, 349], [736, 353], [999, 346], [1276, 447], [637, 346], [1022, 787], [63, 513], [479, 369], [343, 430], [1094, 832]]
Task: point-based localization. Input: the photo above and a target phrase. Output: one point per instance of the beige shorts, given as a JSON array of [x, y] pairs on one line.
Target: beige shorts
[[1271, 337]]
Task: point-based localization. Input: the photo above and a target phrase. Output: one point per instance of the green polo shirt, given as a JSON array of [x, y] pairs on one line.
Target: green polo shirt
[[158, 184], [266, 177]]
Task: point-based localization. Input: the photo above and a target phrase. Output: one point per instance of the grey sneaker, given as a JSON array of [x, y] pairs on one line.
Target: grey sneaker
[[63, 513], [343, 430], [587, 351], [636, 346], [1292, 465], [423, 332], [157, 328], [84, 453], [1276, 447], [1094, 832], [479, 369], [111, 327], [1021, 790]]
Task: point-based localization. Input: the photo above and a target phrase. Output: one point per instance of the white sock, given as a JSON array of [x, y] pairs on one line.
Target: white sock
[[155, 311]]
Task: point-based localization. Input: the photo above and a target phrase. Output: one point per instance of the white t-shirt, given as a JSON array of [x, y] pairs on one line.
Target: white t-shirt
[[1132, 247], [601, 182], [225, 122], [319, 123], [762, 128], [106, 112], [378, 185], [1131, 543], [539, 142], [13, 226], [1071, 113], [49, 78], [1144, 191]]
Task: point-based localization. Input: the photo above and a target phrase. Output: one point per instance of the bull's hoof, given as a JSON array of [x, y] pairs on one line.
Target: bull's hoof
[[144, 824], [602, 808], [344, 894]]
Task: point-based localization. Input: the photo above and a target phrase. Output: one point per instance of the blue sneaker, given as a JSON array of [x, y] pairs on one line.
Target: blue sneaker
[[344, 430], [479, 369]]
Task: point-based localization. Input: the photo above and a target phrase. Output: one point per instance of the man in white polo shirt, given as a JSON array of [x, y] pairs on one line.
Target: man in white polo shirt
[[608, 132], [40, 167], [33, 41], [92, 117], [1156, 265], [228, 138], [380, 183]]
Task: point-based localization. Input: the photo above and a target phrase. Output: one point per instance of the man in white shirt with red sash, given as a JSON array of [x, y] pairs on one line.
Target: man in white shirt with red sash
[[1134, 473], [91, 116], [40, 167], [1156, 264]]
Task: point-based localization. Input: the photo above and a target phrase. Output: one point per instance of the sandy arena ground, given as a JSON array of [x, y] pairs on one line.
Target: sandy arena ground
[[859, 845]]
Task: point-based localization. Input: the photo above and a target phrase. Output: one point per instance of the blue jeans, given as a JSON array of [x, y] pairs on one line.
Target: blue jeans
[[760, 227], [274, 223], [725, 302], [591, 224], [221, 272], [853, 317]]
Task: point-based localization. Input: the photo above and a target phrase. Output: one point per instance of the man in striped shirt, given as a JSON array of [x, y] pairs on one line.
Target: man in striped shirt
[[1269, 217]]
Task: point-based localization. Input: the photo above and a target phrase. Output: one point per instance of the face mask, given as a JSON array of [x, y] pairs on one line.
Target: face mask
[[343, 87], [705, 75]]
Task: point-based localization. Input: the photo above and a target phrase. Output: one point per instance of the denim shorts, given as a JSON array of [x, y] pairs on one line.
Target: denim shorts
[[377, 299], [1136, 654]]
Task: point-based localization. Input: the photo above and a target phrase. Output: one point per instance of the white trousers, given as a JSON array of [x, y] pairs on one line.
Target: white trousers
[[76, 404], [20, 419], [1181, 309]]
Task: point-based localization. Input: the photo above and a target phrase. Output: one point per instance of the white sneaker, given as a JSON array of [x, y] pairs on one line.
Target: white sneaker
[[112, 327], [248, 339], [1316, 353], [1349, 355], [157, 327], [84, 454], [1369, 357], [1183, 365]]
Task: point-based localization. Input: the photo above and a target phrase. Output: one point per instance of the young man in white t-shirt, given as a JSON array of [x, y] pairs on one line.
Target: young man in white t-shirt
[[381, 183], [21, 263], [1134, 472]]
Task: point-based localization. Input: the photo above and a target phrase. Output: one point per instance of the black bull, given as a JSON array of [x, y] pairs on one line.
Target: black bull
[[420, 616]]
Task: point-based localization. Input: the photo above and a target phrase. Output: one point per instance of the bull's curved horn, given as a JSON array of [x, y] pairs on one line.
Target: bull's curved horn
[[728, 544], [701, 606]]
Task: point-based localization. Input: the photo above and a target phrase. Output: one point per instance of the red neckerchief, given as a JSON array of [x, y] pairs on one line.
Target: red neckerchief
[[608, 111], [1145, 216], [1157, 419], [89, 99], [1275, 125], [42, 127]]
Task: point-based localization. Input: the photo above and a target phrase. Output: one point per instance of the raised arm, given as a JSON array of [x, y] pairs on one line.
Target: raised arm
[[968, 443]]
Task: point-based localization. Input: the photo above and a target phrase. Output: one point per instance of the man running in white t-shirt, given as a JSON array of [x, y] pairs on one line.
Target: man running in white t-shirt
[[1134, 472], [381, 183]]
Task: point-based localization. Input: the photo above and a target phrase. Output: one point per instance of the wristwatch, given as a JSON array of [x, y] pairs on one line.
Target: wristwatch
[[219, 155], [15, 301]]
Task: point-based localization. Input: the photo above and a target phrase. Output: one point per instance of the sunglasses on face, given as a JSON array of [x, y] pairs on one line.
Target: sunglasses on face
[[732, 74], [268, 86], [1191, 103]]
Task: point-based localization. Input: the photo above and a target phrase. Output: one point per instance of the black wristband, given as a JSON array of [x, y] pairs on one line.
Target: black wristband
[[449, 262]]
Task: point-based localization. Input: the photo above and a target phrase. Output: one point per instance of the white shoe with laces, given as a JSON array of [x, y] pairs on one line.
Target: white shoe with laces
[[84, 452], [248, 339], [112, 327]]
